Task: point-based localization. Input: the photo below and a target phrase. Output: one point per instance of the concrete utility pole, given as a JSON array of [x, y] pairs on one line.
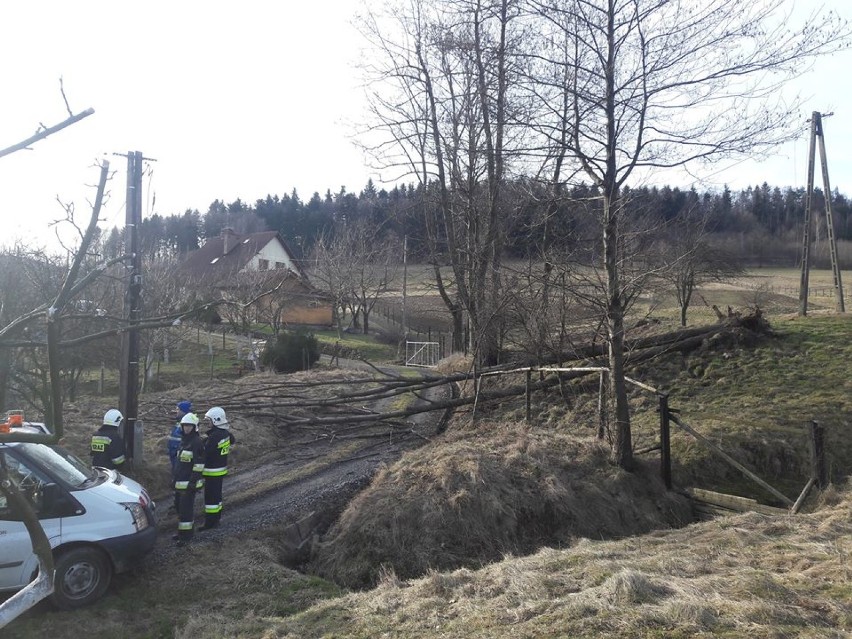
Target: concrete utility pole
[[129, 368], [817, 132]]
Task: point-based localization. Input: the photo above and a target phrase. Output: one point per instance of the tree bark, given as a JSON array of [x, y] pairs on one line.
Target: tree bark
[[623, 446]]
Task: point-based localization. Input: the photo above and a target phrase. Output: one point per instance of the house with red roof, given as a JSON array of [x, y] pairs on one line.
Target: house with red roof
[[232, 261]]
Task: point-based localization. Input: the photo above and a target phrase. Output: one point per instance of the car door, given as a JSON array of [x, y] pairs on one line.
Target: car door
[[17, 559]]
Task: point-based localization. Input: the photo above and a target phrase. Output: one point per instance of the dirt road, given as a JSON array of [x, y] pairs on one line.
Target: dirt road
[[302, 495]]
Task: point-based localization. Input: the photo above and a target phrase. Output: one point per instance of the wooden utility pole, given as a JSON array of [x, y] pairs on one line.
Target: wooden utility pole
[[404, 286], [129, 368], [817, 132]]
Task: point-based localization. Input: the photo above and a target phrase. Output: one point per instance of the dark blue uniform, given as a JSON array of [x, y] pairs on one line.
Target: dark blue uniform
[[190, 463], [217, 447], [107, 448]]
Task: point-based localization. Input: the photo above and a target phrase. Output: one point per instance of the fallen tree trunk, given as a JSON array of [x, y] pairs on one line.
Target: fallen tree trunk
[[345, 409]]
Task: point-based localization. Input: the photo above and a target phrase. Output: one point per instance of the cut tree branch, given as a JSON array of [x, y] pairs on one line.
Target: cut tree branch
[[43, 133]]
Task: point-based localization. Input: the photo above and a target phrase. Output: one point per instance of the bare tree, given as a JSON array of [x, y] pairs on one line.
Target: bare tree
[[690, 258], [656, 85], [329, 271], [42, 586], [20, 291], [355, 266], [374, 267], [164, 297], [283, 297], [442, 110]]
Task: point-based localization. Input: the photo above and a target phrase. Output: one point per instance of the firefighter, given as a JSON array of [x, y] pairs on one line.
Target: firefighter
[[176, 435], [217, 446], [107, 444], [188, 478]]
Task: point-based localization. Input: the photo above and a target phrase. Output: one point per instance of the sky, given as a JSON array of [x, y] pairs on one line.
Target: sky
[[231, 99], [239, 100]]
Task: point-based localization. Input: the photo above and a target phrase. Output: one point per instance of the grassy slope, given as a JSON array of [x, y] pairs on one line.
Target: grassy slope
[[756, 401], [746, 575], [752, 574]]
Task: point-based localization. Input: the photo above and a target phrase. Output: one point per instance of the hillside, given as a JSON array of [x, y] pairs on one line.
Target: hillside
[[503, 529]]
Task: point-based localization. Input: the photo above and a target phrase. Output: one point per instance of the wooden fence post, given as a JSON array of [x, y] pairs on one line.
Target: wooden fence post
[[819, 470], [529, 384], [602, 406], [477, 383], [665, 441]]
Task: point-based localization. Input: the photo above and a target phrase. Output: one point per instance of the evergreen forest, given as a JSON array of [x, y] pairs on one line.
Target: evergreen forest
[[761, 224]]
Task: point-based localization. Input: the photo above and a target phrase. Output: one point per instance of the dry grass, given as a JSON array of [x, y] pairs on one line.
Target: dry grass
[[497, 489], [749, 575], [455, 363]]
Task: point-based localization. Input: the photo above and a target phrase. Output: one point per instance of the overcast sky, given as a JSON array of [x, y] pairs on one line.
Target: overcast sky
[[236, 100]]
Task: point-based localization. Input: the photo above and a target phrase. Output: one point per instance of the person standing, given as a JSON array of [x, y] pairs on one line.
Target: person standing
[[107, 445], [188, 478], [183, 407], [217, 446]]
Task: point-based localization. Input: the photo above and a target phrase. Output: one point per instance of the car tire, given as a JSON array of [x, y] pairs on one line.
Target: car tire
[[82, 577]]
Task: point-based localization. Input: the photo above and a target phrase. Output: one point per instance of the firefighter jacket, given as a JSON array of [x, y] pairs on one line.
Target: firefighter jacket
[[107, 448], [190, 462], [216, 449]]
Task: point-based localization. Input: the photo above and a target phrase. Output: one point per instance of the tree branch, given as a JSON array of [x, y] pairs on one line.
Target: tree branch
[[46, 132]]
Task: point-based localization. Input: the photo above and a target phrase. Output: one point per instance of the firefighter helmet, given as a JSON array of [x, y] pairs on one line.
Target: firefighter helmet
[[189, 418], [113, 417], [217, 416]]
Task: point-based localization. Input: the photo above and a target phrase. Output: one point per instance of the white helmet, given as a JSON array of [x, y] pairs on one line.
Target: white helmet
[[113, 417], [217, 416], [190, 418]]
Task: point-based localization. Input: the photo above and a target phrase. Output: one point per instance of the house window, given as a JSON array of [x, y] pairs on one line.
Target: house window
[[280, 265], [263, 265]]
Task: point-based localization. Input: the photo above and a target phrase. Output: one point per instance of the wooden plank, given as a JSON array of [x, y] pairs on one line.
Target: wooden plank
[[734, 502], [770, 510], [803, 495]]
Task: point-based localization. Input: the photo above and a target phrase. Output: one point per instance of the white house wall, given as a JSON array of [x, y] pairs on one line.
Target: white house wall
[[273, 252]]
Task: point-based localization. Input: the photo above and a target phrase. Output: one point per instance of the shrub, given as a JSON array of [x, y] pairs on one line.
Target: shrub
[[291, 352]]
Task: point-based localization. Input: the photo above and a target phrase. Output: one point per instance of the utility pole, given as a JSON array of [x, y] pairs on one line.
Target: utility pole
[[817, 132], [129, 368], [404, 285]]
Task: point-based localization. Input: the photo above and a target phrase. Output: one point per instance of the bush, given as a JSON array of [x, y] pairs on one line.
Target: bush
[[291, 352]]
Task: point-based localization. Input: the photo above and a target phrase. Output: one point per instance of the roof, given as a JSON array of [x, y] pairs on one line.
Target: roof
[[211, 262]]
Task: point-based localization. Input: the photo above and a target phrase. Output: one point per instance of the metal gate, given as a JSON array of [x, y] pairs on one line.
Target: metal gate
[[422, 353]]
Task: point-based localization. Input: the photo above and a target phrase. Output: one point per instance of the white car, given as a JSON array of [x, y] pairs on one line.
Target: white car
[[98, 521]]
